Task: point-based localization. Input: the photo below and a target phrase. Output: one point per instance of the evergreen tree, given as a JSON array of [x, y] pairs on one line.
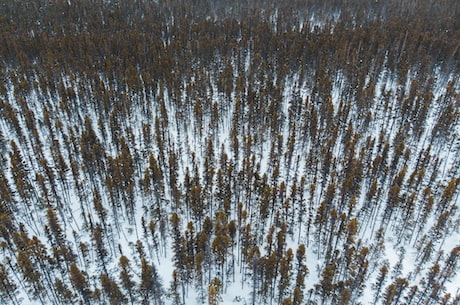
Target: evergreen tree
[[8, 288], [112, 290], [80, 283], [150, 287], [214, 292], [20, 173], [126, 278]]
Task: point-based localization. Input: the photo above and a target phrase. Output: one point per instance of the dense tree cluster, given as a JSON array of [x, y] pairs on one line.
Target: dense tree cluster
[[307, 151]]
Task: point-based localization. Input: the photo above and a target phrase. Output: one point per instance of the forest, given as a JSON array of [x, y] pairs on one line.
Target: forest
[[173, 152]]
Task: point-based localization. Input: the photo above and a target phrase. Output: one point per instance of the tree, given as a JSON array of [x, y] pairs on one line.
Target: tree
[[300, 277], [7, 229], [30, 272], [189, 243], [450, 265], [285, 275], [150, 286], [174, 289], [327, 286], [179, 248], [80, 283], [394, 291], [7, 287], [199, 259], [55, 227], [379, 283], [126, 278], [214, 291], [297, 296], [98, 240], [112, 290], [253, 260], [220, 244], [269, 266], [441, 130], [64, 294], [125, 163], [389, 294], [7, 202], [154, 241], [91, 149], [99, 207], [232, 229], [20, 173], [447, 195]]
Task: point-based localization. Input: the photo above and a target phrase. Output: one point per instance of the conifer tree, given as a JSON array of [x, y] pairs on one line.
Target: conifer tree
[[174, 289], [7, 202], [7, 287], [20, 173], [99, 244], [112, 290], [64, 294], [285, 275], [30, 273], [214, 292], [80, 283], [91, 149], [327, 286], [55, 228], [150, 287], [126, 278]]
